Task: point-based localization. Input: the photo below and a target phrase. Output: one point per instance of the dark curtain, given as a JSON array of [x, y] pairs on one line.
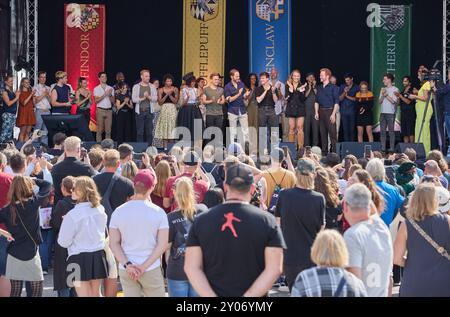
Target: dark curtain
[[4, 36]]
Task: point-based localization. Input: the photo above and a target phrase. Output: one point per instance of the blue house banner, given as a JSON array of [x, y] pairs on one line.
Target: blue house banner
[[270, 36]]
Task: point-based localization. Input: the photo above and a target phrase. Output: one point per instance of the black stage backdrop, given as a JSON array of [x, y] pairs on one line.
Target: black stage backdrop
[[326, 33]]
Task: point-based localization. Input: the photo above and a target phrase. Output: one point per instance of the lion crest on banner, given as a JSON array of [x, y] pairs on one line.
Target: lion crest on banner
[[205, 10], [269, 10], [83, 16]]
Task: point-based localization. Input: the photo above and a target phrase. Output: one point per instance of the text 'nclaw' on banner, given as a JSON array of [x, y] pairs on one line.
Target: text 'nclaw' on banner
[[270, 36]]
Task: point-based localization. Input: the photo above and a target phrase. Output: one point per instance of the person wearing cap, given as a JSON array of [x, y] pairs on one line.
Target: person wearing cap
[[300, 211], [427, 261], [193, 171], [235, 249], [139, 232], [277, 176]]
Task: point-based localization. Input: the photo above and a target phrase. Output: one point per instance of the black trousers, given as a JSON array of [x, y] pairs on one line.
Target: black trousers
[[327, 129], [311, 130], [213, 121], [267, 118]]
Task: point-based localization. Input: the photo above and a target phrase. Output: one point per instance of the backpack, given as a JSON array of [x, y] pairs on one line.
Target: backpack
[[106, 198], [276, 194], [212, 180]]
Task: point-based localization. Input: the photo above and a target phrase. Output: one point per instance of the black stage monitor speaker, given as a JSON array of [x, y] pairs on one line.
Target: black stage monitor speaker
[[355, 148], [418, 147], [70, 125], [292, 149], [138, 147]]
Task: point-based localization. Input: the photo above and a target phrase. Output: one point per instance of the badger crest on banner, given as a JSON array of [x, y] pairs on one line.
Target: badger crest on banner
[[82, 16], [269, 10], [205, 10], [392, 17]]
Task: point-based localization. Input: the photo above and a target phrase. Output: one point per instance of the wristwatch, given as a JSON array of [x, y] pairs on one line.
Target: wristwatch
[[126, 264]]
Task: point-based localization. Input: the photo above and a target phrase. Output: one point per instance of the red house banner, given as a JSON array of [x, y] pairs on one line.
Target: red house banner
[[84, 45]]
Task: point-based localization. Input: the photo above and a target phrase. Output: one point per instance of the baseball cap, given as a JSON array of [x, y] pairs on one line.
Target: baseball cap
[[146, 177], [191, 158], [239, 175], [443, 200], [306, 166]]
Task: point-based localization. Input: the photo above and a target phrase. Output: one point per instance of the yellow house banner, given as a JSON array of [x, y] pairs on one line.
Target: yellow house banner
[[204, 37]]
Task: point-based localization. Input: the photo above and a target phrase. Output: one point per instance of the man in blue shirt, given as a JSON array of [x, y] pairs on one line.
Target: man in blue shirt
[[236, 94], [347, 97], [326, 107], [391, 195]]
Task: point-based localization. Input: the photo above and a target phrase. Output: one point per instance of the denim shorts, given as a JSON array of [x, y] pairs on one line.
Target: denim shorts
[[3, 255]]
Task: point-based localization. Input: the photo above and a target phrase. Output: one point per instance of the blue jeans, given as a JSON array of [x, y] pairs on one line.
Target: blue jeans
[[180, 289], [144, 125], [3, 255], [67, 292], [40, 124], [45, 249], [348, 122]]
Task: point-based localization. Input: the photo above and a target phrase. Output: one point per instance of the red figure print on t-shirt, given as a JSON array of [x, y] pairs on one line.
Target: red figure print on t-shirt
[[229, 223]]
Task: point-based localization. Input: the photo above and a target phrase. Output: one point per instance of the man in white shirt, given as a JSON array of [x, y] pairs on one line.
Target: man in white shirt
[[388, 101], [139, 235], [42, 104], [368, 242], [104, 97], [143, 95], [280, 105]]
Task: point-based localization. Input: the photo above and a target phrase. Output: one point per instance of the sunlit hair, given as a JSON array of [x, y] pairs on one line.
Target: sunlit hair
[[327, 71], [22, 86], [60, 75], [423, 202], [163, 172], [329, 250], [185, 198], [20, 190], [353, 169], [322, 184], [353, 160], [86, 191], [129, 170], [376, 169], [305, 181], [68, 183], [291, 76], [334, 179], [111, 158], [437, 156], [364, 178], [72, 144]]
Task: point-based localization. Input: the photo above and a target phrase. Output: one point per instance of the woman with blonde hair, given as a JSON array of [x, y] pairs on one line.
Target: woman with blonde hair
[[21, 217], [295, 108], [163, 172], [180, 222], [83, 234], [424, 238], [329, 278], [129, 170]]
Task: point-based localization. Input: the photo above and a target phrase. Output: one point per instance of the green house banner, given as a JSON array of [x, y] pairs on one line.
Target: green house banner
[[390, 50]]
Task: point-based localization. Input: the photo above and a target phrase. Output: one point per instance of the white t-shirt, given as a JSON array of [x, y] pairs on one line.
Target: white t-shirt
[[44, 104], [105, 103], [138, 222], [370, 248], [387, 106]]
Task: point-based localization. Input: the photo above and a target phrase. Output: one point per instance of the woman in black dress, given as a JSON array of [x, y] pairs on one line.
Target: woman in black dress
[[364, 118], [189, 115], [295, 109], [408, 111], [125, 114]]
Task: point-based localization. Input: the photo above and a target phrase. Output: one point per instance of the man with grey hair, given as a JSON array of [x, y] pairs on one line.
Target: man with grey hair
[[432, 170], [368, 242], [393, 200]]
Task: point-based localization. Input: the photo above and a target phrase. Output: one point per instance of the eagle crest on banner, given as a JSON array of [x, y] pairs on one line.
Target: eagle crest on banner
[[82, 16], [205, 10], [269, 10], [392, 17]]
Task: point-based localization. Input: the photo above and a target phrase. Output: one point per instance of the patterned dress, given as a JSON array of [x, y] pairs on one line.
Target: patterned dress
[[167, 121]]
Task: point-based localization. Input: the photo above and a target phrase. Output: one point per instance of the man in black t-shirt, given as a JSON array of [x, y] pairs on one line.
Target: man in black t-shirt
[[235, 249], [301, 213], [266, 97]]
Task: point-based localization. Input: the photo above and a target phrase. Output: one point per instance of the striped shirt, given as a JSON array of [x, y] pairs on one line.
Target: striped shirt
[[324, 282]]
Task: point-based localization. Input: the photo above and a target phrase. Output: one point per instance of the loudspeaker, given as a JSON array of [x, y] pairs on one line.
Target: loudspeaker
[[418, 147], [292, 147], [138, 147], [355, 148]]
